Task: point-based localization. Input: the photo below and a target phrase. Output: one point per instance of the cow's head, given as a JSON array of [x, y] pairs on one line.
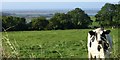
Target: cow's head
[[100, 34]]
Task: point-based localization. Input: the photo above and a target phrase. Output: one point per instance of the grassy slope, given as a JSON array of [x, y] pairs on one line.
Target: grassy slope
[[60, 43], [94, 23], [55, 43]]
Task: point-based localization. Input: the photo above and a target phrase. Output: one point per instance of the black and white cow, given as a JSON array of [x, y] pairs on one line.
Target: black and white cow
[[99, 44]]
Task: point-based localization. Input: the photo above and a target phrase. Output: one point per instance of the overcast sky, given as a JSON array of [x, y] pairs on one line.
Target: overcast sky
[[56, 4]]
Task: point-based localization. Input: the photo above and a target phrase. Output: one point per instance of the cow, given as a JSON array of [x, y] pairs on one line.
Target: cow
[[99, 44]]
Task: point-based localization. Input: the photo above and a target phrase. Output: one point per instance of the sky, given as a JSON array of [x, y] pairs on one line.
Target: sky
[[53, 4], [60, 0], [49, 5]]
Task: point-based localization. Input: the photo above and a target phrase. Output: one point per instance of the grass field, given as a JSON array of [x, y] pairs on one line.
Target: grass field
[[94, 23], [54, 44]]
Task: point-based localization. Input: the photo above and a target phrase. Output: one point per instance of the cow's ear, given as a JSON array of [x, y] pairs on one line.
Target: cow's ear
[[91, 33], [107, 31]]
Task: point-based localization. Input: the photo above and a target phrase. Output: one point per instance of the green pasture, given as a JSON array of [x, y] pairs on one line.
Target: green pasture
[[52, 44], [94, 23]]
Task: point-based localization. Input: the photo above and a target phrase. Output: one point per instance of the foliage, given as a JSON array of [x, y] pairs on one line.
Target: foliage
[[39, 23], [60, 21], [74, 19], [13, 23], [79, 18], [109, 15]]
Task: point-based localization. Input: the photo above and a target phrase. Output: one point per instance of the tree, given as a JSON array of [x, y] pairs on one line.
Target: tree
[[39, 23], [60, 21], [21, 23], [116, 17], [108, 15], [79, 18], [13, 23], [74, 19]]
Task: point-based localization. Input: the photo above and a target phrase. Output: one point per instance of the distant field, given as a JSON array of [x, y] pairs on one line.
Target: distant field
[[94, 23], [54, 44]]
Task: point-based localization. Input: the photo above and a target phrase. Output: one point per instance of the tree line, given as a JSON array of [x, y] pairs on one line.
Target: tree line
[[74, 19], [108, 16]]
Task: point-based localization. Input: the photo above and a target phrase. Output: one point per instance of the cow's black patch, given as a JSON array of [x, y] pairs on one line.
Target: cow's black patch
[[96, 35], [98, 47], [100, 42], [103, 36], [91, 33], [107, 32], [95, 57], [90, 36], [93, 39], [90, 44], [106, 45]]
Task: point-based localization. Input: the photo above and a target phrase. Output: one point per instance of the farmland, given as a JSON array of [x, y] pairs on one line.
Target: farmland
[[52, 44]]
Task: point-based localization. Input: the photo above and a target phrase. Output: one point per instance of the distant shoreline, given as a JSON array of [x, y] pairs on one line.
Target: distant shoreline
[[49, 11], [29, 14]]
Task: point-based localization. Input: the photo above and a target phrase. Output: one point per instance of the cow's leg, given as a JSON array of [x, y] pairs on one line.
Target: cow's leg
[[107, 54], [89, 56], [102, 56], [97, 57]]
